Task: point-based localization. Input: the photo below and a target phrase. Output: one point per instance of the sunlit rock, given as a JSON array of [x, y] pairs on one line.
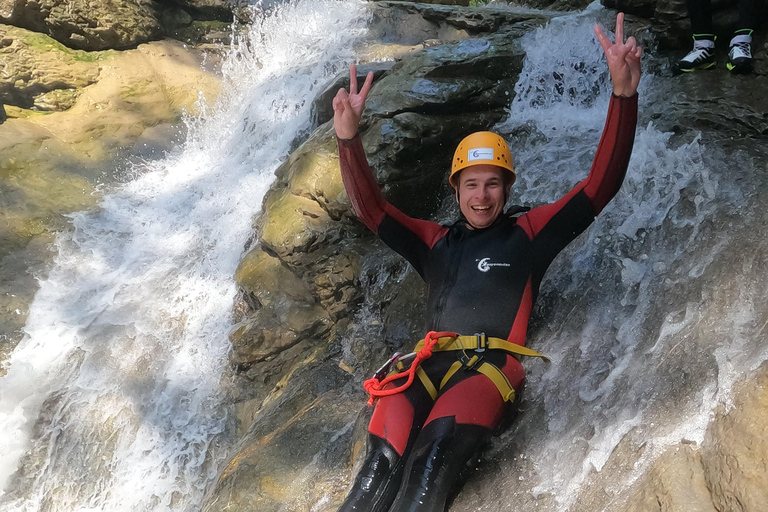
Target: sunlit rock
[[735, 451]]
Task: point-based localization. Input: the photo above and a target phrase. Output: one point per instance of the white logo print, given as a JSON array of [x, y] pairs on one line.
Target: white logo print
[[480, 154], [484, 266]]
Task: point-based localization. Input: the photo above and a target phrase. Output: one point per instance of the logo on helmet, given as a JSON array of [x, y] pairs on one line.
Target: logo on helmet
[[480, 154]]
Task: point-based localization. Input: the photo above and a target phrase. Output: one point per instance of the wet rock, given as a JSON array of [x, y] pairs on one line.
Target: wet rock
[[675, 482], [286, 311], [95, 25], [220, 10], [735, 450], [300, 441], [43, 73]]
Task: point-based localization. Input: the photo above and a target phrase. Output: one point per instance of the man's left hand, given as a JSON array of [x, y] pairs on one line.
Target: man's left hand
[[623, 59]]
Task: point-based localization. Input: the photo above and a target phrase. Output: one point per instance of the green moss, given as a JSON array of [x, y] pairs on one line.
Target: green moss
[[33, 200], [13, 112], [136, 88], [45, 43]]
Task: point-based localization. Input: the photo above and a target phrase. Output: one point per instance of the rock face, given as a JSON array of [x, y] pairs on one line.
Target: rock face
[[735, 450], [727, 473], [109, 24], [42, 73], [98, 25]]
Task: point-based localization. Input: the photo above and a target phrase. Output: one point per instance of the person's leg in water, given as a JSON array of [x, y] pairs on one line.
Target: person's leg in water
[[740, 48], [394, 427], [466, 413], [702, 56]]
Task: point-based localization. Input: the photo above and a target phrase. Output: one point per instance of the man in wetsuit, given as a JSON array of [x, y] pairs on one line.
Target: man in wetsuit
[[483, 274]]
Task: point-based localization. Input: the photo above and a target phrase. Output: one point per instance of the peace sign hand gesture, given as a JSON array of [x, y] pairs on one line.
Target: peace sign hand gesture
[[348, 107], [623, 59]]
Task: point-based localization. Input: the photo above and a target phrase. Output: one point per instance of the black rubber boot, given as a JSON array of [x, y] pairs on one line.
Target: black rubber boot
[[436, 463], [376, 484]]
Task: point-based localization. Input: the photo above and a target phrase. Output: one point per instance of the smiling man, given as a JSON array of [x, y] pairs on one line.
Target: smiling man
[[439, 405]]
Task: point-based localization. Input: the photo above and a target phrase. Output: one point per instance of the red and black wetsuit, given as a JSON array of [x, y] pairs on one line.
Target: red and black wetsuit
[[480, 280]]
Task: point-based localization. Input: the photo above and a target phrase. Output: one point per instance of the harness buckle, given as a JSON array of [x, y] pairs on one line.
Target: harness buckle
[[482, 341], [470, 362]]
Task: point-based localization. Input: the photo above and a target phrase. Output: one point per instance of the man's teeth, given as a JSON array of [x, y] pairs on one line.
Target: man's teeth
[[480, 207]]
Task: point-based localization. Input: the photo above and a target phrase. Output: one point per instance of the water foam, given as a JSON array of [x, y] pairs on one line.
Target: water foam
[[626, 311]]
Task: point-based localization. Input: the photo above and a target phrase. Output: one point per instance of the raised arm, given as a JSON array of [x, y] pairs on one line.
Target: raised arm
[[410, 237], [589, 197]]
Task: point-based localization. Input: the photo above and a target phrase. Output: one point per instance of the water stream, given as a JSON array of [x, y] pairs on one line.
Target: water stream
[[112, 399], [654, 313]]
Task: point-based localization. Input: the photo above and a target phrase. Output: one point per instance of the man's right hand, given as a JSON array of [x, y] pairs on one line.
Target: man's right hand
[[348, 106]]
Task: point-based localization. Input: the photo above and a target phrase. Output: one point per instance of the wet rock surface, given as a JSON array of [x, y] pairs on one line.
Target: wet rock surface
[[455, 75], [108, 24]]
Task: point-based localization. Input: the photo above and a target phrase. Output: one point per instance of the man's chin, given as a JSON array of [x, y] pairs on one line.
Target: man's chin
[[480, 223]]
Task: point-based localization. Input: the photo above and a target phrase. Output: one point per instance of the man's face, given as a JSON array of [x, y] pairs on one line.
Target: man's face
[[481, 194]]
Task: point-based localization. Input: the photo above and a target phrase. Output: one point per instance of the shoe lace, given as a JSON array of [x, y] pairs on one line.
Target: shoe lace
[[741, 49]]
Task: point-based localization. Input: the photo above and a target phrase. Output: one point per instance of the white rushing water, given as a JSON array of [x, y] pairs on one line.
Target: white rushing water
[[112, 400], [643, 347]]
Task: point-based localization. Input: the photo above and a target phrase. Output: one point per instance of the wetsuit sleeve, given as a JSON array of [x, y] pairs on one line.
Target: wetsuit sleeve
[[411, 238], [565, 219]]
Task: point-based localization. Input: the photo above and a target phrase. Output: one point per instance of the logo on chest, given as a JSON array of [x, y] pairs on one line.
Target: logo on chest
[[484, 265]]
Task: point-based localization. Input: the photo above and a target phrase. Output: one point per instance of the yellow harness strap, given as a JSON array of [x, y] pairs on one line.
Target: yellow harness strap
[[499, 380], [451, 371], [480, 342], [489, 370], [422, 375]]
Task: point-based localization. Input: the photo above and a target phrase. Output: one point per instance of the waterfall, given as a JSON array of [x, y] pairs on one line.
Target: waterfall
[[648, 322], [112, 400]]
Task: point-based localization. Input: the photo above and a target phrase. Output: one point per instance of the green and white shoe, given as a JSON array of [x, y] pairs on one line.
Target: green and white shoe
[[740, 54], [701, 57]]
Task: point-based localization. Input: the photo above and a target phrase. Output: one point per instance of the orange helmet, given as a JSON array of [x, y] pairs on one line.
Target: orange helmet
[[481, 148]]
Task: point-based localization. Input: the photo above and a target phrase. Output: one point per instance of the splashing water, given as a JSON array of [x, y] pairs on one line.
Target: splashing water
[[112, 400], [643, 348]]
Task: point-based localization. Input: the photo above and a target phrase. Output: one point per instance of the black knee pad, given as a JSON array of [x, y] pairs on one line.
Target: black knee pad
[[438, 459], [377, 482]]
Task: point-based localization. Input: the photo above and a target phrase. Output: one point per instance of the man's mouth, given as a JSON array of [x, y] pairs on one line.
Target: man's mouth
[[481, 207]]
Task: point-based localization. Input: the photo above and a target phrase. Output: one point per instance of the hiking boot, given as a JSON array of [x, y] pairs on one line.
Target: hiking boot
[[701, 57], [740, 54]]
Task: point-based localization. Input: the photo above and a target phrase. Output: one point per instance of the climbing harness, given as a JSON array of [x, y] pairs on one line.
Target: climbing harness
[[443, 342]]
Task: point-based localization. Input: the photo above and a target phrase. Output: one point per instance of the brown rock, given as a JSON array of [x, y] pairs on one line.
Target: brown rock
[[92, 25], [735, 450], [39, 71], [674, 483], [292, 455]]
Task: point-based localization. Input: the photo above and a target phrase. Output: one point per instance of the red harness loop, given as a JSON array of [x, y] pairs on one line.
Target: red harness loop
[[374, 387]]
